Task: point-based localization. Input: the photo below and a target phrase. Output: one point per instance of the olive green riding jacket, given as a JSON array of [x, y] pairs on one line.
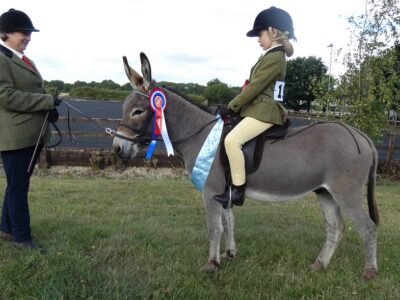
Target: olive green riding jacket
[[23, 103], [257, 99]]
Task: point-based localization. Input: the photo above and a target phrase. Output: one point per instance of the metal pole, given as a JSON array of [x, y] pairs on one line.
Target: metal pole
[[330, 68]]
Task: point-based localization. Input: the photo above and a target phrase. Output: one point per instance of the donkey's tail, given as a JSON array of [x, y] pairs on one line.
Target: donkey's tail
[[372, 206]]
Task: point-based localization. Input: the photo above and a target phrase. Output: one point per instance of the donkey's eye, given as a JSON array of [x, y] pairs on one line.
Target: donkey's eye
[[136, 112]]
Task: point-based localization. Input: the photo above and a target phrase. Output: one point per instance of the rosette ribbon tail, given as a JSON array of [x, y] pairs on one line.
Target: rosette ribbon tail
[[165, 136]]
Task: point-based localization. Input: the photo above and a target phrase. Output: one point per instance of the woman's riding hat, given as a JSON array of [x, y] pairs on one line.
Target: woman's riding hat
[[273, 17], [15, 21]]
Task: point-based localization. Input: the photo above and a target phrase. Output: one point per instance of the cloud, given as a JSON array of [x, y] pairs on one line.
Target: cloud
[[185, 41]]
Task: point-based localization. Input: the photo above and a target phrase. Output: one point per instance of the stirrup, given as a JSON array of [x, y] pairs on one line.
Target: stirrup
[[225, 198]]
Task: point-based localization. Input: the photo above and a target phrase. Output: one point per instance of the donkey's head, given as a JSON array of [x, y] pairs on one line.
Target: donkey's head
[[136, 111]]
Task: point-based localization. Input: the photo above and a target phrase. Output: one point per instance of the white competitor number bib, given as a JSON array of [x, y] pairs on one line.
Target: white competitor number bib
[[278, 90]]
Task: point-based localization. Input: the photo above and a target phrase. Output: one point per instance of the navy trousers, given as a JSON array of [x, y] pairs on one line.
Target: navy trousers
[[15, 218]]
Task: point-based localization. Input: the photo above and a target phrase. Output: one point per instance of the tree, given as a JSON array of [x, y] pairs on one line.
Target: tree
[[109, 85], [55, 85], [301, 76], [194, 89], [126, 87], [217, 92], [79, 83], [67, 87], [370, 86]]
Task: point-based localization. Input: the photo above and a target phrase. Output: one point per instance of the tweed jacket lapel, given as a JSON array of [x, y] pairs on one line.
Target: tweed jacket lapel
[[21, 63], [18, 61]]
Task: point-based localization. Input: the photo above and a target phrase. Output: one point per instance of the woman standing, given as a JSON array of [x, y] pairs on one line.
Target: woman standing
[[23, 110]]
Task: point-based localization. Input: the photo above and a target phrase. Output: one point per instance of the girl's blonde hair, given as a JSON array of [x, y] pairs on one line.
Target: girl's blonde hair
[[283, 37]]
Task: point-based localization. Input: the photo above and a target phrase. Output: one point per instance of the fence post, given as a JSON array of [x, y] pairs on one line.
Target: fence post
[[44, 159], [390, 153]]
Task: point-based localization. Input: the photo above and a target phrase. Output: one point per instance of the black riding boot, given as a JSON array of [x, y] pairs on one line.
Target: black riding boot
[[237, 195]]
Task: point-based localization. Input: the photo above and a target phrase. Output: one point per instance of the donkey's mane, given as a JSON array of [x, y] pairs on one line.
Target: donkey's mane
[[190, 100]]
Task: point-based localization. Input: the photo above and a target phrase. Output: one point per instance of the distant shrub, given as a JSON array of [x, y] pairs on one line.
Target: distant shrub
[[199, 99], [98, 94]]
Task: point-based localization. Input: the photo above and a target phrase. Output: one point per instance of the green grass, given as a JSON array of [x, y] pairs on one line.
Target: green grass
[[147, 239]]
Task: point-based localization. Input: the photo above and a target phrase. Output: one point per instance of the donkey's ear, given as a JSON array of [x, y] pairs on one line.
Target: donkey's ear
[[134, 77], [146, 71]]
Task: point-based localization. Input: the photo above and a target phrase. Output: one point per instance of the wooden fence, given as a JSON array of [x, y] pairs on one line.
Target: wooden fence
[[99, 158], [102, 157]]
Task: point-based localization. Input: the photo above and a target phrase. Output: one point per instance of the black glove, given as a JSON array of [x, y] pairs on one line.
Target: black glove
[[224, 111], [57, 100], [53, 115]]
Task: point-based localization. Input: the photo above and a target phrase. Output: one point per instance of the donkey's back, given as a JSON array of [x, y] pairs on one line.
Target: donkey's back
[[328, 156]]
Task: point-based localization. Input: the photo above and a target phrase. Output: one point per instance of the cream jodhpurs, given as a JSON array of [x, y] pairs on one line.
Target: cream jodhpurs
[[246, 130]]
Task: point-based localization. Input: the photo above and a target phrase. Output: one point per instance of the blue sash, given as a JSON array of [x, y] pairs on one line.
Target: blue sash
[[206, 156]]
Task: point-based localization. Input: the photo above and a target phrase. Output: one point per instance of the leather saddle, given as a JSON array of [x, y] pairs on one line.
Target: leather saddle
[[253, 149]]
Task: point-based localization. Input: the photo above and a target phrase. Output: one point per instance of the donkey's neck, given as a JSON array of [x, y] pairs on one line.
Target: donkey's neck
[[189, 126]]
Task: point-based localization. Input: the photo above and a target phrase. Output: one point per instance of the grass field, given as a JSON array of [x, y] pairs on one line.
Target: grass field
[[146, 238]]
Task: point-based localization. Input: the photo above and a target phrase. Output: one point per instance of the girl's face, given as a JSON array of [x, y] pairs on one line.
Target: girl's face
[[18, 40], [265, 38]]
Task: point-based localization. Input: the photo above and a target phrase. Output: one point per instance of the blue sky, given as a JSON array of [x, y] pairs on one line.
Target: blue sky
[[186, 41]]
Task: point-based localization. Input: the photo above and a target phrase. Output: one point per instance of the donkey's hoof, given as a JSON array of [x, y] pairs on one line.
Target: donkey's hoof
[[228, 255], [317, 267], [369, 274], [211, 267]]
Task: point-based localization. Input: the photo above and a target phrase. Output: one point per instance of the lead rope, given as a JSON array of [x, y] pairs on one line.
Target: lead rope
[[72, 138], [59, 134], [106, 129]]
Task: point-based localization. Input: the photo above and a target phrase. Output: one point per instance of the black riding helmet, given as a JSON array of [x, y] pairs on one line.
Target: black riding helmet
[[15, 21], [273, 17]]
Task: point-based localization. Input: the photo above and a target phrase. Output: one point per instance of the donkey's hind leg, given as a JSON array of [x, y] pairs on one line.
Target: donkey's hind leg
[[334, 227], [367, 230], [228, 222]]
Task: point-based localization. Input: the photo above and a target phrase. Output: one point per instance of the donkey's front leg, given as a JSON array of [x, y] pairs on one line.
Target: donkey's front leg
[[228, 222], [214, 223]]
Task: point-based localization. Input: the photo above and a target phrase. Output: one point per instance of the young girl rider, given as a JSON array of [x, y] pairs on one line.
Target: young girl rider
[[259, 102]]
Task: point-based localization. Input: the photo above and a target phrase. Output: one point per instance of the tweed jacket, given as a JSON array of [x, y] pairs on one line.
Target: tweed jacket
[[257, 99], [23, 103]]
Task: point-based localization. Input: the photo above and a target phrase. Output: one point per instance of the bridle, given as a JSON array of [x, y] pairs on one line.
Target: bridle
[[139, 138], [139, 135]]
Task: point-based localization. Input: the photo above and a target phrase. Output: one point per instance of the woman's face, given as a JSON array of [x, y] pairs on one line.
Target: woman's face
[[18, 40], [265, 38]]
